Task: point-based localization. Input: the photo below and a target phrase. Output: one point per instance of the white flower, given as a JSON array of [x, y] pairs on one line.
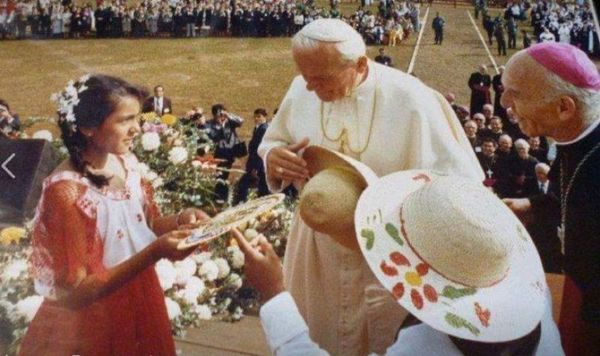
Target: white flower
[[209, 270], [157, 183], [185, 270], [224, 268], [173, 309], [43, 135], [204, 312], [201, 257], [150, 141], [189, 296], [151, 176], [15, 269], [29, 306], [178, 155], [70, 117], [166, 272], [195, 284], [250, 234], [238, 313], [235, 280], [196, 164], [237, 257]]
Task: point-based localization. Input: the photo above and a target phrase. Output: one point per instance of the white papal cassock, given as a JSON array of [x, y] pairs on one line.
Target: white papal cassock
[[400, 123]]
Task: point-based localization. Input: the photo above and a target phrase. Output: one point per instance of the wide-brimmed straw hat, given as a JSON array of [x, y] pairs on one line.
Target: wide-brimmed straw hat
[[328, 200], [452, 254]]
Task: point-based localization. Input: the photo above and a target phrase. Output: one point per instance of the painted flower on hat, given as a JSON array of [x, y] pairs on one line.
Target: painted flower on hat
[[412, 278]]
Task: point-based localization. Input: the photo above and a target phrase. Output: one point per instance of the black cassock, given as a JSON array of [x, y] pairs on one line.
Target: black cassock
[[582, 230], [480, 91]]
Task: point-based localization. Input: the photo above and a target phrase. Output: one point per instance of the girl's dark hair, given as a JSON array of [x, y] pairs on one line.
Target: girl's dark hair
[[96, 103]]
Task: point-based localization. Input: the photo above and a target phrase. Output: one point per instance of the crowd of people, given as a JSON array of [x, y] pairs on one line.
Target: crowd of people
[[560, 21], [515, 165], [39, 19]]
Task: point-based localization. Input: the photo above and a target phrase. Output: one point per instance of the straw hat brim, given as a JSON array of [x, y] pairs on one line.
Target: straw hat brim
[[505, 311], [319, 158]]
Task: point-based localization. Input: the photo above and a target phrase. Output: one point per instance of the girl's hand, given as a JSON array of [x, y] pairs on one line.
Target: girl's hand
[[166, 246], [191, 217]]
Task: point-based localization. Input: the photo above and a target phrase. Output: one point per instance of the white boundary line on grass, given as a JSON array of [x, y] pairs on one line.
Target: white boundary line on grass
[[483, 42], [411, 65]]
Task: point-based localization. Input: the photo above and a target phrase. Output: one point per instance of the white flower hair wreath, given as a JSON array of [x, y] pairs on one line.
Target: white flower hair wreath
[[67, 99]]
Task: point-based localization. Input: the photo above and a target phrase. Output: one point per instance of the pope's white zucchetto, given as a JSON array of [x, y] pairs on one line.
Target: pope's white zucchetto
[[329, 30]]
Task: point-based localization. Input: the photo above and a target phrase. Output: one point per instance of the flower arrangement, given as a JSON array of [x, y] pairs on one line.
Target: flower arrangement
[[208, 285], [18, 301], [172, 161]]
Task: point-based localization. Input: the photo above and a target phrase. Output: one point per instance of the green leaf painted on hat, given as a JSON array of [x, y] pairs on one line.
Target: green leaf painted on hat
[[455, 293], [459, 322], [370, 236], [394, 233]]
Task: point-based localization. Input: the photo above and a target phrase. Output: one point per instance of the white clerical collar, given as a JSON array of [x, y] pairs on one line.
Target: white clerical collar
[[365, 88], [584, 134]]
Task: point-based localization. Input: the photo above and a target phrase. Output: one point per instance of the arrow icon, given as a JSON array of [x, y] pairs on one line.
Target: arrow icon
[[6, 169]]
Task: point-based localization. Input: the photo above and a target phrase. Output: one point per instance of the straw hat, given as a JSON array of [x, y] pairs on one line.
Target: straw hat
[[452, 254], [328, 200]]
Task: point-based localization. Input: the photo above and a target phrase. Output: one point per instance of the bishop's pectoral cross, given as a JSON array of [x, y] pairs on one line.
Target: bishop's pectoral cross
[[489, 173]]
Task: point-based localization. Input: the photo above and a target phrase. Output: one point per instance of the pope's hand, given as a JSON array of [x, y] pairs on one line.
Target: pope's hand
[[283, 163], [262, 266]]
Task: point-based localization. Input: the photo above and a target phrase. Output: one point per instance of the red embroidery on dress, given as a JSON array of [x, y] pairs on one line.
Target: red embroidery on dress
[[120, 234]]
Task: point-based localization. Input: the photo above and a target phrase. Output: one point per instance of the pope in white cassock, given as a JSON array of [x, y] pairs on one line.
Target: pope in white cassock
[[384, 118]]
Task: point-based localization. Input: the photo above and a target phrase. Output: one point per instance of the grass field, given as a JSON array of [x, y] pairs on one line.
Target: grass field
[[241, 73]]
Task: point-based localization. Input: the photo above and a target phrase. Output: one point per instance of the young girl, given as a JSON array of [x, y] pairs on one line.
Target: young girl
[[95, 234]]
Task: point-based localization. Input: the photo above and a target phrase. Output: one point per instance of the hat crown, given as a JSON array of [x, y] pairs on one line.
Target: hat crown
[[328, 200], [460, 230]]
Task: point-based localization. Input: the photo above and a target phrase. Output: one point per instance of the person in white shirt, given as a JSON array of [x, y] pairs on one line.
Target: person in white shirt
[[547, 36], [541, 173]]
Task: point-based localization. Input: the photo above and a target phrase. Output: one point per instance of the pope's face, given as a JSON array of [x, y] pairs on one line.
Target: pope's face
[[522, 94], [326, 73]]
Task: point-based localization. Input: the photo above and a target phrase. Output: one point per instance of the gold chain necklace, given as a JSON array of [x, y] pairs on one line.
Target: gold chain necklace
[[343, 136]]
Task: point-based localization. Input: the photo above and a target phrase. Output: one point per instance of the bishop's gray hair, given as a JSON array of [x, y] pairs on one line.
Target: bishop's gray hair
[[586, 100]]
